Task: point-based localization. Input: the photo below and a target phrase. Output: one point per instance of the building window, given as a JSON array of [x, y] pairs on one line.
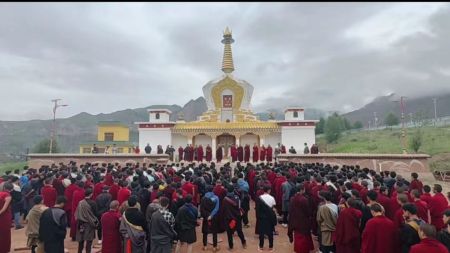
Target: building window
[[86, 150], [109, 136], [157, 115], [295, 114]]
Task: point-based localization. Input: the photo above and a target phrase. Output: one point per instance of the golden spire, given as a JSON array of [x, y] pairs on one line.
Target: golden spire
[[227, 63]]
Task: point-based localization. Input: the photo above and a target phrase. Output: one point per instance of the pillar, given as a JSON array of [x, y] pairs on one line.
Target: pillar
[[213, 146], [238, 136], [189, 138], [261, 140]]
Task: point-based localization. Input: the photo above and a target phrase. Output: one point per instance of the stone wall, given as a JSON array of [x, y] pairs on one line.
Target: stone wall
[[37, 160]]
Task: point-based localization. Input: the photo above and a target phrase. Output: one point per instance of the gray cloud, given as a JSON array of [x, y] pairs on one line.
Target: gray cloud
[[102, 57]]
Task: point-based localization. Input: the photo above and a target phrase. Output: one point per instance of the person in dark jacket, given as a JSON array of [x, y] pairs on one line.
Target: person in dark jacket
[[185, 223], [232, 216], [103, 200], [162, 229], [444, 235], [409, 232], [53, 225]]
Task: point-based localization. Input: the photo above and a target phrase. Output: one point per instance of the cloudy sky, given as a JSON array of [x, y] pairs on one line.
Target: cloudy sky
[[103, 57]]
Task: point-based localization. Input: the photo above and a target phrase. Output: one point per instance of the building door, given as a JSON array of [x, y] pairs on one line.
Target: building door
[[226, 140]]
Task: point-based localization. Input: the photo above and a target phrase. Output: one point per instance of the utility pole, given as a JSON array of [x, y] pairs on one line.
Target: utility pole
[[435, 111], [53, 133], [402, 108]]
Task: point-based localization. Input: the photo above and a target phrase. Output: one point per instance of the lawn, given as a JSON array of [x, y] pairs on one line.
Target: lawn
[[11, 166]]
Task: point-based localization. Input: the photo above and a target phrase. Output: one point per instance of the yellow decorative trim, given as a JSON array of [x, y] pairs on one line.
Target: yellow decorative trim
[[202, 125], [228, 83]]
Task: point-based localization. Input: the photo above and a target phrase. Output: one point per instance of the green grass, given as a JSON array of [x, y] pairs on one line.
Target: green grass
[[11, 166], [436, 140]]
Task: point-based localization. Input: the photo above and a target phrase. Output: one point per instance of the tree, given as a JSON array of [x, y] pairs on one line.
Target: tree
[[391, 120], [357, 125], [320, 126], [44, 147], [347, 124], [334, 126], [416, 141]]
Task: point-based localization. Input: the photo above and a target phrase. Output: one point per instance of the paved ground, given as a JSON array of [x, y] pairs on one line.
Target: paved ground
[[281, 241]]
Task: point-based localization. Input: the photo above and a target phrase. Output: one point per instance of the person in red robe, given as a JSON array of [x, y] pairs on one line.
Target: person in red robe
[[251, 182], [438, 205], [240, 153], [269, 153], [180, 153], [49, 193], [208, 153], [219, 154], [5, 218], [124, 193], [428, 244], [385, 202], [299, 225], [68, 193], [255, 153], [262, 153], [348, 238], [78, 196], [380, 233], [200, 153], [278, 192], [422, 206], [283, 149], [191, 153], [233, 151], [98, 188], [192, 189], [247, 153], [415, 184], [114, 190], [402, 199], [110, 222], [426, 196], [219, 190]]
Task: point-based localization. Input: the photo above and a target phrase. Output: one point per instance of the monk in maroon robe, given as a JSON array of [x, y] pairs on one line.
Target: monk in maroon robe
[[110, 222], [255, 153], [49, 193], [278, 182], [191, 153], [78, 196], [208, 153], [283, 149], [200, 153], [98, 188], [415, 184], [5, 218], [68, 193], [438, 205], [380, 233], [219, 154], [428, 244], [269, 153], [348, 238], [180, 153], [299, 225], [262, 153], [233, 151], [240, 153], [251, 182], [247, 153]]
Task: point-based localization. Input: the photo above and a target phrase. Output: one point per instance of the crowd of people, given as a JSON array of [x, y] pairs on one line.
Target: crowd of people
[[156, 208]]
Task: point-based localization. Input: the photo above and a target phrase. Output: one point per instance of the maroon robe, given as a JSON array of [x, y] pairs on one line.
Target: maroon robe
[[255, 153], [398, 218], [251, 182], [247, 153], [379, 235], [416, 185], [219, 154], [114, 190], [180, 153], [438, 205], [422, 210], [208, 153], [269, 153], [427, 198], [68, 193], [200, 153], [262, 153], [386, 203], [111, 240], [123, 195], [299, 226], [240, 153], [191, 154], [233, 151], [98, 188], [78, 195], [348, 238], [49, 195], [428, 245], [5, 224], [278, 182]]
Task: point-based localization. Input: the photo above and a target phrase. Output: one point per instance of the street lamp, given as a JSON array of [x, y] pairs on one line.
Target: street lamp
[[55, 106]]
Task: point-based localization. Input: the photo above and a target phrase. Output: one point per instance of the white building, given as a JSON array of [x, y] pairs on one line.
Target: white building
[[229, 119]]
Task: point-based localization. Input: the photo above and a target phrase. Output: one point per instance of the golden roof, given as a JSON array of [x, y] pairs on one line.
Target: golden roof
[[228, 126]]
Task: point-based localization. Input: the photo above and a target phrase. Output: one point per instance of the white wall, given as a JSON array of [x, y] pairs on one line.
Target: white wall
[[203, 140], [155, 137], [289, 116], [179, 140], [297, 136], [272, 139], [163, 117], [249, 139]]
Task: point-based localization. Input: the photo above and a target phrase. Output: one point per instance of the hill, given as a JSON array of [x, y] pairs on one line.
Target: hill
[[419, 107]]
